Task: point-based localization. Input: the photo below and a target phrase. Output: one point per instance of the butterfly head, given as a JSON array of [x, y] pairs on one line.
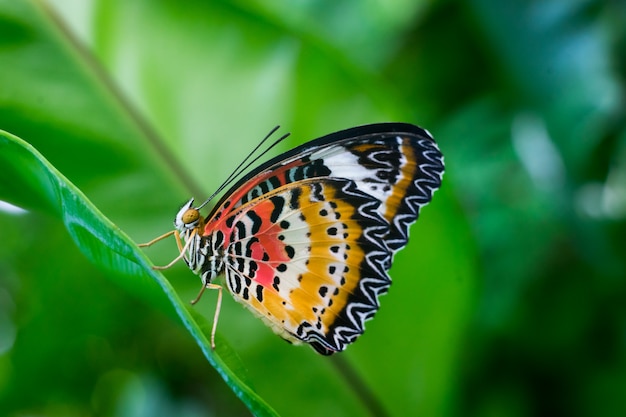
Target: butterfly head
[[188, 218]]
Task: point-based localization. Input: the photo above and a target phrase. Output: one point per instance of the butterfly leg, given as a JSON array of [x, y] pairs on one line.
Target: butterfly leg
[[155, 240], [178, 243], [217, 307], [182, 248], [195, 300]]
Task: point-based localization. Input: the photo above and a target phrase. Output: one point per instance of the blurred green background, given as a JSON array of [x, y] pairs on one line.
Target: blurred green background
[[510, 299]]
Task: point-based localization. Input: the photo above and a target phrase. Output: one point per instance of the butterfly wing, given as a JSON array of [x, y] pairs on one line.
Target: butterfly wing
[[399, 164], [309, 236], [309, 259]]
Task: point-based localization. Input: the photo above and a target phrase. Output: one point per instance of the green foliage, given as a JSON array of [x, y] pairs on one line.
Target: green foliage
[[27, 176], [509, 299]]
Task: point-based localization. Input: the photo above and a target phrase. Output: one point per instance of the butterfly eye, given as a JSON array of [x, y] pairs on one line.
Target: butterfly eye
[[191, 216]]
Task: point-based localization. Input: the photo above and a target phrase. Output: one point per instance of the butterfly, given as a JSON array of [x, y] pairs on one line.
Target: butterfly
[[306, 239]]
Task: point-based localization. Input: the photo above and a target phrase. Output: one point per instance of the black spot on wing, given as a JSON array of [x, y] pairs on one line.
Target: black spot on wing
[[256, 221], [294, 199], [279, 204]]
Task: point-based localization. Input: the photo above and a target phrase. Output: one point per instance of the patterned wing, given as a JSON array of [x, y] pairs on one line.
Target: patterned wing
[[308, 258], [397, 164], [308, 237]]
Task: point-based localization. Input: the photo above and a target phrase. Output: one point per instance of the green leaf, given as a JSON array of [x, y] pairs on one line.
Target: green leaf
[[29, 180]]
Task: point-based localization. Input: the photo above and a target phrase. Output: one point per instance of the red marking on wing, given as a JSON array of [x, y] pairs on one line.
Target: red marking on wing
[[268, 242]]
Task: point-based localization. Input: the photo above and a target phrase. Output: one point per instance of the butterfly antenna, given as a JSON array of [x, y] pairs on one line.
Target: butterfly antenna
[[276, 142], [234, 173], [241, 168]]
